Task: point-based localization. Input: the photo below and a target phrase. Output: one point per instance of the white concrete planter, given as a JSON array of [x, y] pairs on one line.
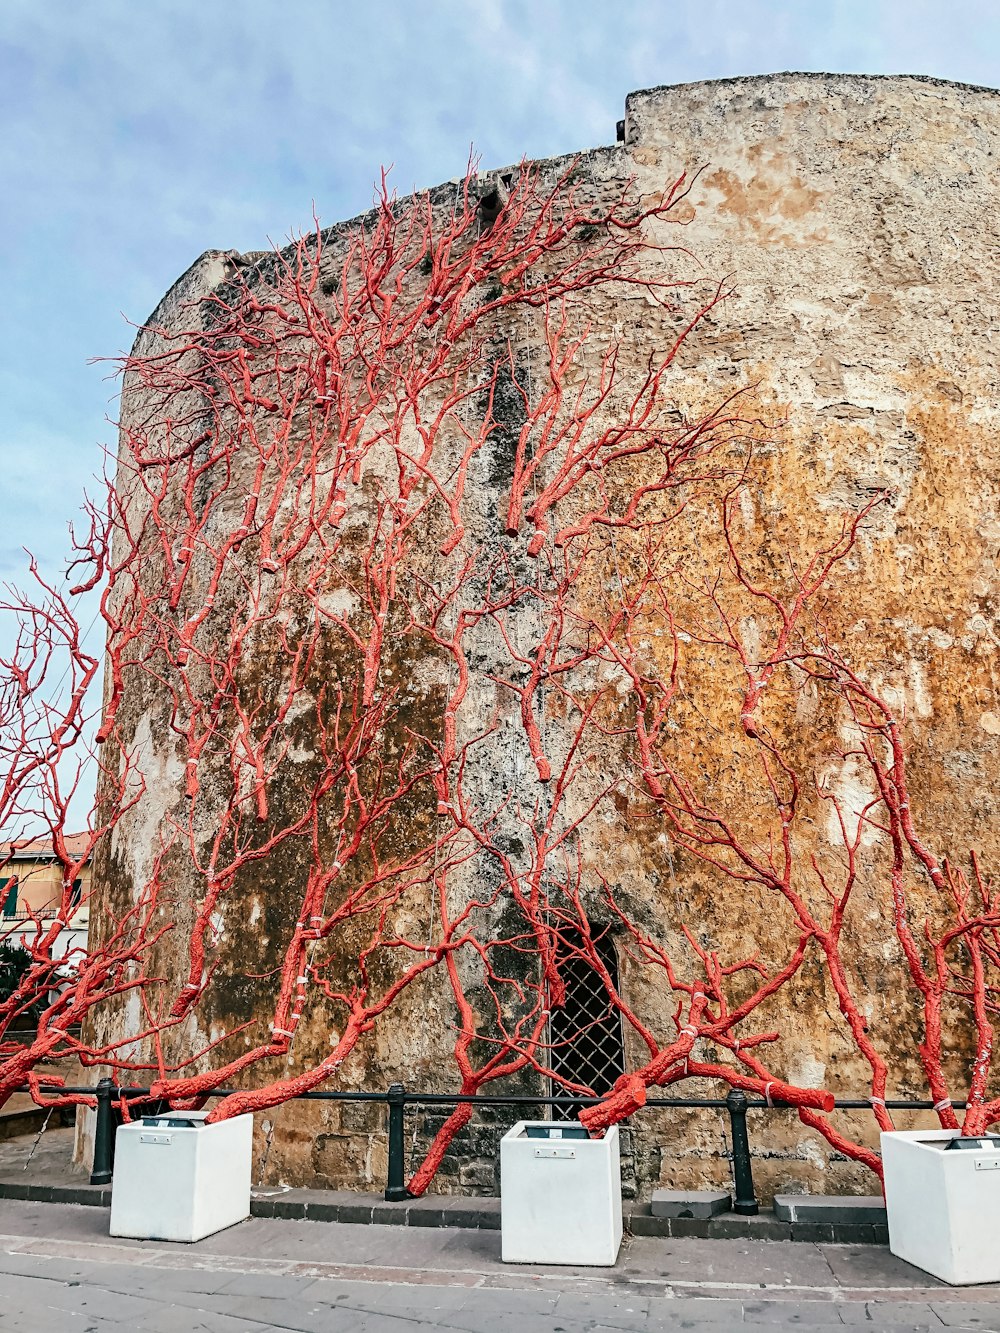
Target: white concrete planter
[[560, 1195], [177, 1178], [943, 1207]]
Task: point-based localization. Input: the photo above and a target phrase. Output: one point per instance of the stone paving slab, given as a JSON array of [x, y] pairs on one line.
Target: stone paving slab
[[457, 1256], [56, 1264], [691, 1203], [111, 1297], [852, 1209]]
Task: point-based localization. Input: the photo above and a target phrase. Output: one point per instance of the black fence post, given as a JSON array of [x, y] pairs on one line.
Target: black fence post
[[104, 1134], [395, 1189], [745, 1201]]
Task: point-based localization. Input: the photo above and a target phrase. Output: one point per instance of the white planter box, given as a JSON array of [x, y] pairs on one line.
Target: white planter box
[[560, 1195], [943, 1207], [177, 1178]]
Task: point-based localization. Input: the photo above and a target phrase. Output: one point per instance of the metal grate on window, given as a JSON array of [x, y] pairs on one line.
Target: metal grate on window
[[586, 1033]]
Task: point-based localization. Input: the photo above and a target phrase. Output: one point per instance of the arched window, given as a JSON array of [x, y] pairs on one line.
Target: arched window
[[586, 1033]]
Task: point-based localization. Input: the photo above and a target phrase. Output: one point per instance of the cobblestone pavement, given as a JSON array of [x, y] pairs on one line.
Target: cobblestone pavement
[[59, 1270]]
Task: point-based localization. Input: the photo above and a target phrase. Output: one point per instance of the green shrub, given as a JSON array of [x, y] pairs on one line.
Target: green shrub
[[14, 963]]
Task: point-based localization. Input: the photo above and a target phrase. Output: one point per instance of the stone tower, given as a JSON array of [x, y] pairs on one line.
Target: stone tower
[[856, 219]]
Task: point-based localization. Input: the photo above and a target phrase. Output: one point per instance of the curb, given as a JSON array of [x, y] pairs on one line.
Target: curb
[[436, 1210], [481, 1214], [95, 1195], [763, 1226]]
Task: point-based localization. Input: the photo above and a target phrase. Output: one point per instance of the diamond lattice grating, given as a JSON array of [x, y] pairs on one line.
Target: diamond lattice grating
[[586, 1033]]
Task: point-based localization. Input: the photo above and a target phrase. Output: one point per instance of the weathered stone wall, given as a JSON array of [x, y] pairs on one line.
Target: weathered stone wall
[[856, 217], [858, 220]]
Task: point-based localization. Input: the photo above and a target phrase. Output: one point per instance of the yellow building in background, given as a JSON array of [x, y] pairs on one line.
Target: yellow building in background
[[31, 888]]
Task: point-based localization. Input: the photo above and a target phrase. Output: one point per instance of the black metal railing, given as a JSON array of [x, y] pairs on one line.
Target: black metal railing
[[397, 1098]]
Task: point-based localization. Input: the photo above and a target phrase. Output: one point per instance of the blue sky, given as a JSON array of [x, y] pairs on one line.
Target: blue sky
[[136, 135]]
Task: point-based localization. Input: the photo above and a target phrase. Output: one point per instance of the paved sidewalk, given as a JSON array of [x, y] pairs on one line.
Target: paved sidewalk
[[42, 1170], [59, 1270]]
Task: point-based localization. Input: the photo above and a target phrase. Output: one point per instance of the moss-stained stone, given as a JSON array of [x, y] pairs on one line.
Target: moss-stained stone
[[858, 218]]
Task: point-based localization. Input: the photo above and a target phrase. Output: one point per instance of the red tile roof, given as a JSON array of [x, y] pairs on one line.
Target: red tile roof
[[33, 848]]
